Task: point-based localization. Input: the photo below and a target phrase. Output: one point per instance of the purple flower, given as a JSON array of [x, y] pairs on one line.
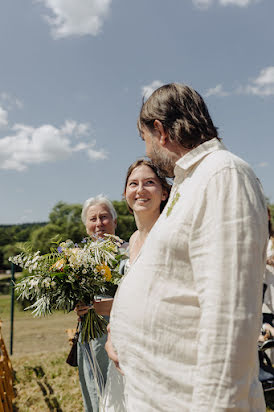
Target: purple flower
[[60, 250], [76, 244], [84, 240]]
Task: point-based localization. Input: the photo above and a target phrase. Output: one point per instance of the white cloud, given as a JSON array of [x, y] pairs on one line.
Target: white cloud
[[10, 101], [216, 91], [149, 89], [76, 18], [28, 145], [3, 117], [205, 4], [97, 154], [71, 127], [263, 85], [202, 4], [240, 3]]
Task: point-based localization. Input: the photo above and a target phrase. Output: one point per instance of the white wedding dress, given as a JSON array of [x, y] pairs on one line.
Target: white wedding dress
[[114, 396]]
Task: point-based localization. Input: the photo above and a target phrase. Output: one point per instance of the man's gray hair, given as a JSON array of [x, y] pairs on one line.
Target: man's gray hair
[[98, 200]]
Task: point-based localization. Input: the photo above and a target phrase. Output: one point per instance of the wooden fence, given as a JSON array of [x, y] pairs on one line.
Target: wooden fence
[[6, 380]]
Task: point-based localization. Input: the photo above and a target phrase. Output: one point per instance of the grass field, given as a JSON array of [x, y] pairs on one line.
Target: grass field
[[43, 380], [32, 335]]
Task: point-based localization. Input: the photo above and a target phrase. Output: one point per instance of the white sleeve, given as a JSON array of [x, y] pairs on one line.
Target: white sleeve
[[227, 253]]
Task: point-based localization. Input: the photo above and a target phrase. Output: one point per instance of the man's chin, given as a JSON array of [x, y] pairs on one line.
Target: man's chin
[[165, 166]]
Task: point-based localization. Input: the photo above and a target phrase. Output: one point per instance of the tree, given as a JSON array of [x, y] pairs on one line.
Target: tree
[[68, 218], [41, 238], [125, 221], [7, 251]]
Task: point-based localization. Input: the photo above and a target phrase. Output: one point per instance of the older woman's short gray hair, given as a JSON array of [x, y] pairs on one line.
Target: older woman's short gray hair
[[97, 200]]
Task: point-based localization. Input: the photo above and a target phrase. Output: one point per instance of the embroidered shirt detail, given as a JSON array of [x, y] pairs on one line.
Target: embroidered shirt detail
[[173, 202]]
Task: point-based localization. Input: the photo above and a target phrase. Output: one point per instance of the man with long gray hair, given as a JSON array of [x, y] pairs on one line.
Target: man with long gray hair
[[191, 302]]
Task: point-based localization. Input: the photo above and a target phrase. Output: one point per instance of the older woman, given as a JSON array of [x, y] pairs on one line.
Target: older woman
[[99, 217]]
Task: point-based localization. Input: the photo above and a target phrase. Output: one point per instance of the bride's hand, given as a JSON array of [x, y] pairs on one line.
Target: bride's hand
[[270, 261], [111, 352]]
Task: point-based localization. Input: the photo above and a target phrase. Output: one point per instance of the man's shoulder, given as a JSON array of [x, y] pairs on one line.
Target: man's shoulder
[[222, 160]]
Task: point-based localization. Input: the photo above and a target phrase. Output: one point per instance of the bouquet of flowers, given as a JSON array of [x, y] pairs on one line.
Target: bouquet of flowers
[[70, 274]]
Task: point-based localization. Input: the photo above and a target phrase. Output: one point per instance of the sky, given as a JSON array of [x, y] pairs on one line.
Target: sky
[[72, 78]]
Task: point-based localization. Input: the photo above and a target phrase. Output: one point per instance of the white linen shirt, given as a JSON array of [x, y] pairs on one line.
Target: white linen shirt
[[186, 318]]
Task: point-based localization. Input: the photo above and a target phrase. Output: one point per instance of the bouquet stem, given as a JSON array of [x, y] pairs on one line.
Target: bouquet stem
[[93, 326]]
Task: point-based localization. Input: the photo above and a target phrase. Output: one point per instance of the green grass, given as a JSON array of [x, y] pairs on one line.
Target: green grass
[[5, 305], [44, 382]]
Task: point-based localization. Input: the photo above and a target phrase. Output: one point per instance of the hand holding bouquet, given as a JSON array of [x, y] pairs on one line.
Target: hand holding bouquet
[[71, 274]]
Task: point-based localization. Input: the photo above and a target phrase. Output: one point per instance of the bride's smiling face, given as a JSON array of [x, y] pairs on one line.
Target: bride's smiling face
[[144, 191]]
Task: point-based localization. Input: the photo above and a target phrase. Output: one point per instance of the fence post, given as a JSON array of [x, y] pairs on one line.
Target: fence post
[[12, 306]]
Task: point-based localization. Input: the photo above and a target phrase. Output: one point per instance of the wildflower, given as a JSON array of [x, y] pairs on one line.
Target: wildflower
[[105, 271], [59, 265], [47, 282]]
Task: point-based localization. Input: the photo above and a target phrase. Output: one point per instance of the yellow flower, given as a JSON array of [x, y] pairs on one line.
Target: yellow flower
[[59, 265], [105, 271]]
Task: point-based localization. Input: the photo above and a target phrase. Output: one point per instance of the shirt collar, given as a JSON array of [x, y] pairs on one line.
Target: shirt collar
[[195, 155]]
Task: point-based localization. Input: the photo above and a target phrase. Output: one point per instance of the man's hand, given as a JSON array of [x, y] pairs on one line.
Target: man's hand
[[111, 352]]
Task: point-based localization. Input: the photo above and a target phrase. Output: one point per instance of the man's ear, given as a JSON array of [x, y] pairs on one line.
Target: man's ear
[[163, 136]]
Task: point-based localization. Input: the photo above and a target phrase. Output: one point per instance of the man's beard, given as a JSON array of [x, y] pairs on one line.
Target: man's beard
[[163, 162]]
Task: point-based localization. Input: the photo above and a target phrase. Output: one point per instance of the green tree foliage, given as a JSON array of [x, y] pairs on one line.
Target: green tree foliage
[[10, 234], [68, 218], [271, 207], [41, 238], [65, 220], [125, 222], [7, 251]]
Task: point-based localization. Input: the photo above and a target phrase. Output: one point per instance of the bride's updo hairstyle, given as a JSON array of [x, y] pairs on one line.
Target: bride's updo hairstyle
[[182, 112], [164, 183]]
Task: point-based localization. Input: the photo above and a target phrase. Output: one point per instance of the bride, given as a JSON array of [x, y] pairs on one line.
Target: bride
[[146, 193]]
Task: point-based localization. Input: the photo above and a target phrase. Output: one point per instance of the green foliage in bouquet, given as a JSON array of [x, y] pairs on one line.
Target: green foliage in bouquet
[[69, 274]]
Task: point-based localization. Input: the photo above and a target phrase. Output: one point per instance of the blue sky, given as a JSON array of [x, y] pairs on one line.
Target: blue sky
[[73, 73]]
